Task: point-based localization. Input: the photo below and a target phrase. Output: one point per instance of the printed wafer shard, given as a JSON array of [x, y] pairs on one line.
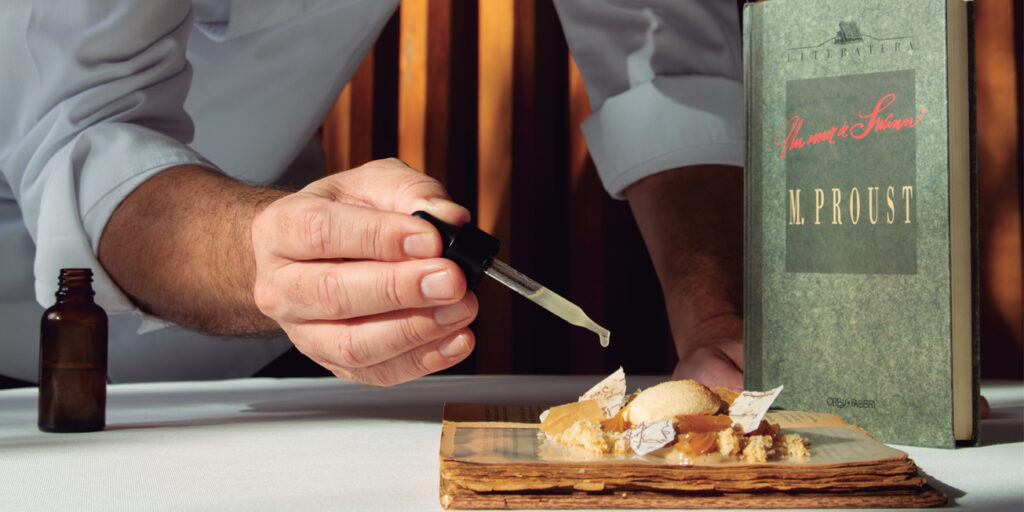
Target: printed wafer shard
[[647, 437], [609, 393], [749, 408]]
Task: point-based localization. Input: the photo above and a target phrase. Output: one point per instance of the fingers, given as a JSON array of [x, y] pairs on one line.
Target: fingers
[[714, 364], [359, 214], [415, 363], [733, 352], [370, 341], [357, 282], [309, 227], [305, 291]]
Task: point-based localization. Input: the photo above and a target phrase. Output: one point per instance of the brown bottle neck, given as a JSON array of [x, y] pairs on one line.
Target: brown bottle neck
[[75, 283]]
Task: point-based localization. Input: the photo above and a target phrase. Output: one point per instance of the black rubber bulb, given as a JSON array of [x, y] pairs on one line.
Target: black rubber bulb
[[472, 249]]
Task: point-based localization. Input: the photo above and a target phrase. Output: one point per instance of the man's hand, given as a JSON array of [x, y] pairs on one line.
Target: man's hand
[[711, 352], [354, 279], [692, 221], [357, 283]]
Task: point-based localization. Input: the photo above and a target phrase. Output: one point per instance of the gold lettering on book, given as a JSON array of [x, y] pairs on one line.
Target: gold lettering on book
[[853, 205], [794, 208]]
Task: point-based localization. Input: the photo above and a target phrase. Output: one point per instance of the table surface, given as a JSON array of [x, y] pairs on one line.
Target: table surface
[[324, 444]]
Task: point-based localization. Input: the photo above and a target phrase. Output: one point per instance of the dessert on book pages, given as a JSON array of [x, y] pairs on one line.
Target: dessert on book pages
[[592, 454], [681, 420]]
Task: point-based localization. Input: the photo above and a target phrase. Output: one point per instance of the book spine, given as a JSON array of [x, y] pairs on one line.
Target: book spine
[[752, 336], [975, 275]]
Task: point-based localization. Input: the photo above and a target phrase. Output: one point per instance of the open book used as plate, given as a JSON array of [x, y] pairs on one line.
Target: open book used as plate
[[494, 457]]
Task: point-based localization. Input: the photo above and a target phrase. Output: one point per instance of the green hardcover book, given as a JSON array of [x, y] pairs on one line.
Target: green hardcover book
[[860, 283]]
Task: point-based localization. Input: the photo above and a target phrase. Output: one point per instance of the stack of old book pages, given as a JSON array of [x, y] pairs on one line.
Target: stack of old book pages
[[494, 457]]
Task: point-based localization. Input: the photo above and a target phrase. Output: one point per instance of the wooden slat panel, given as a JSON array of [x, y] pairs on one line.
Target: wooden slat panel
[[347, 132], [463, 139], [412, 82], [999, 188], [437, 91], [494, 326], [538, 241], [335, 130], [361, 122], [385, 90], [437, 87], [451, 110], [450, 122], [586, 220]]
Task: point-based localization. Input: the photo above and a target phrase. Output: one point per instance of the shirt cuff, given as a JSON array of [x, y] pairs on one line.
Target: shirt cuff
[[88, 179], [669, 122]]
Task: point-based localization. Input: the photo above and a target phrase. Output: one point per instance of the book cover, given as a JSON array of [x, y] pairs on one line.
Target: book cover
[[860, 288]]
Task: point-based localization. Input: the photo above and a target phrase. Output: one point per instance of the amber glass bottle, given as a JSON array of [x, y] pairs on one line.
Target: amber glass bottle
[[73, 358]]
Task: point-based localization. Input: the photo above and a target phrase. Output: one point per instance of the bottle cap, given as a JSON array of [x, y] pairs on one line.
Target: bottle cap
[[471, 248]]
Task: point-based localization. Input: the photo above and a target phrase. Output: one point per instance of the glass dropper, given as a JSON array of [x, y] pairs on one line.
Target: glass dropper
[[474, 251]]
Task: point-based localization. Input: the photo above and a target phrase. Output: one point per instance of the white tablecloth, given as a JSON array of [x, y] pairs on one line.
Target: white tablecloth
[[323, 444]]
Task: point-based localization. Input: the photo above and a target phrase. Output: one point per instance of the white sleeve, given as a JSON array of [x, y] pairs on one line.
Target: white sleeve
[[92, 107], [664, 80]]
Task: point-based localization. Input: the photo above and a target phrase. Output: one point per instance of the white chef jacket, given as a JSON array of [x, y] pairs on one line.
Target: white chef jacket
[[97, 96]]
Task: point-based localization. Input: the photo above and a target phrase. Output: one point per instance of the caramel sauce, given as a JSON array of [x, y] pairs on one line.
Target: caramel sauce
[[616, 424], [696, 443], [768, 429], [698, 434], [702, 423]]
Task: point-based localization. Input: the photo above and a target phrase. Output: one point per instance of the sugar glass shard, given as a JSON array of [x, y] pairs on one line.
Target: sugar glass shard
[[561, 417]]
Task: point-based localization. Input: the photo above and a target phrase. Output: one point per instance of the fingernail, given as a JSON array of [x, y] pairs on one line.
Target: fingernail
[[443, 209], [437, 286], [452, 313], [434, 202], [418, 245], [454, 347]]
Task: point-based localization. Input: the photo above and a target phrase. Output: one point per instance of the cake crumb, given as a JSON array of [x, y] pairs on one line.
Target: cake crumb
[[796, 446], [584, 433], [758, 448], [728, 442]]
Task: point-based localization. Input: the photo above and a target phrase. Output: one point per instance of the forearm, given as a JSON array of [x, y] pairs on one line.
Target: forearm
[[180, 246], [692, 222]]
